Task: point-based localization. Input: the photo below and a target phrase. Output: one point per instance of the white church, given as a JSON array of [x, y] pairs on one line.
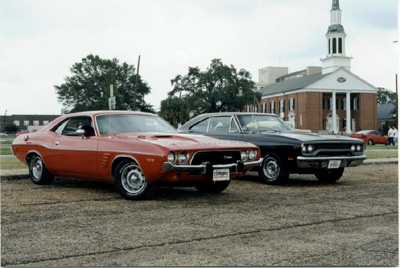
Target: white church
[[328, 97]]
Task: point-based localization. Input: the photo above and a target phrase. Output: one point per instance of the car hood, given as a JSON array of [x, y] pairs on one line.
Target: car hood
[[317, 137], [186, 142]]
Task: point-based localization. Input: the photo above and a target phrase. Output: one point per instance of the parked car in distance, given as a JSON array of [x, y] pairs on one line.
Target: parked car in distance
[[371, 137], [284, 150], [136, 151]]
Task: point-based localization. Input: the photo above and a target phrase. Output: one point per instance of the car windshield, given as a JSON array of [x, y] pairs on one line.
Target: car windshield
[[125, 123], [263, 123]]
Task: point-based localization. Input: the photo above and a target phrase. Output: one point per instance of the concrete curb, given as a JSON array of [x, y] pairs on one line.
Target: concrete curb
[[19, 174]]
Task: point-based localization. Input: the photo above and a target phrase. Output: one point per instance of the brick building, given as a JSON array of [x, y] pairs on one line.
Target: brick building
[[25, 122], [329, 98]]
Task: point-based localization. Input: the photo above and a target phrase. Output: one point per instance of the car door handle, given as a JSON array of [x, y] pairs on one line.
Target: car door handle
[[57, 143]]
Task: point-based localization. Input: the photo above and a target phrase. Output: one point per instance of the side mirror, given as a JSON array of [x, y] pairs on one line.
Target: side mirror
[[80, 132]]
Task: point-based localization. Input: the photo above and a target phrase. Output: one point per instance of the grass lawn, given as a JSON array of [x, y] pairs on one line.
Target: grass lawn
[[5, 151], [382, 154], [11, 163]]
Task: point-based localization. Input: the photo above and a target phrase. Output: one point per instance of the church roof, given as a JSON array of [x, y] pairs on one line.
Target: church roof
[[291, 84], [335, 28], [385, 111]]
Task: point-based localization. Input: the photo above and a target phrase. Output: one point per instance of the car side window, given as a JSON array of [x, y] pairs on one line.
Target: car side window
[[200, 127], [219, 124], [69, 127]]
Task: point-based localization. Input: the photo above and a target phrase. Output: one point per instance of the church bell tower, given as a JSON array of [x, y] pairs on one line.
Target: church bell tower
[[336, 56]]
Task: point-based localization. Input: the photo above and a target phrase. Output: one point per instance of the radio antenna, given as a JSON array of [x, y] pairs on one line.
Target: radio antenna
[[136, 84]]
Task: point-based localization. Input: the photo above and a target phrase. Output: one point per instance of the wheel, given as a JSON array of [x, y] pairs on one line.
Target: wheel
[[130, 180], [38, 171], [329, 175], [271, 170], [370, 142], [213, 187]]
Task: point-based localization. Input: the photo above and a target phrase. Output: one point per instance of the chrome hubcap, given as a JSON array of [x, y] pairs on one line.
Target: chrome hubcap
[[37, 167], [271, 168], [133, 180]]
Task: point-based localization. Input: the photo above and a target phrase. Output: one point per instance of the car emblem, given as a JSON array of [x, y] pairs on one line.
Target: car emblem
[[227, 157], [341, 79]]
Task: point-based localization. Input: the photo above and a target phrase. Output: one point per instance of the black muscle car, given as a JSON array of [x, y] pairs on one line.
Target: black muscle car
[[284, 150]]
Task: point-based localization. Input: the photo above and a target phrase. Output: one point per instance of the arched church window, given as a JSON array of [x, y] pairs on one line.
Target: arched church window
[[334, 45], [340, 45], [329, 46]]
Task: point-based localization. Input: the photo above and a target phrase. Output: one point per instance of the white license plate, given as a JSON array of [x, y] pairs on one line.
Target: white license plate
[[334, 164], [221, 174]]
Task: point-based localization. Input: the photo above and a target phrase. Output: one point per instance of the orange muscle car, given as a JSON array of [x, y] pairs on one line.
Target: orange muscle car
[[133, 150]]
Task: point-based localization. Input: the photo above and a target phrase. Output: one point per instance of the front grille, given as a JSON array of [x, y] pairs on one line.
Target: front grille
[[332, 149], [216, 157], [333, 146]]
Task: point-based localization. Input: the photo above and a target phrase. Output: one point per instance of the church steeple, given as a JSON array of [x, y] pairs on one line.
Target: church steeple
[[336, 56], [335, 5]]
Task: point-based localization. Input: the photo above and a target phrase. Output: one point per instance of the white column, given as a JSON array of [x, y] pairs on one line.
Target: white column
[[348, 114], [334, 125]]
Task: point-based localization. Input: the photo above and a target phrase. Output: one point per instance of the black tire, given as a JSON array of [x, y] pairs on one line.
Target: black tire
[[370, 142], [213, 187], [130, 180], [329, 175], [272, 170], [38, 172]]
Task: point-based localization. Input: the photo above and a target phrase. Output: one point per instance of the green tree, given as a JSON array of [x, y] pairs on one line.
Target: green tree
[[384, 96], [88, 88], [175, 110], [221, 88]]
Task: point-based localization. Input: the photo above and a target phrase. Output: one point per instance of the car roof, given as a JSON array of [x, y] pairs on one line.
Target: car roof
[[100, 112], [232, 113]]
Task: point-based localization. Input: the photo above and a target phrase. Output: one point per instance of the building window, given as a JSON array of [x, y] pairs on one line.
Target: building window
[[356, 104], [340, 45], [282, 106], [292, 104], [36, 122], [329, 46], [16, 122], [45, 122], [323, 103], [26, 123], [272, 107], [334, 45]]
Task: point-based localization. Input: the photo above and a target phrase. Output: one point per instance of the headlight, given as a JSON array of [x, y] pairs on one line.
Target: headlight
[[171, 157], [253, 154], [353, 148], [304, 149], [310, 148], [183, 157], [244, 154], [359, 148]]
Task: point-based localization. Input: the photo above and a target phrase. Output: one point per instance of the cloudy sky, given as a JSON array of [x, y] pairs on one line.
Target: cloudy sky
[[42, 39]]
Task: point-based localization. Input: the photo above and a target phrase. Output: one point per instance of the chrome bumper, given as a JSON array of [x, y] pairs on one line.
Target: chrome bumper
[[207, 168], [322, 162]]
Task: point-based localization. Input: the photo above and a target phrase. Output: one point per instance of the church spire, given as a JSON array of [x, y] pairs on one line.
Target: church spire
[[335, 5], [336, 57]]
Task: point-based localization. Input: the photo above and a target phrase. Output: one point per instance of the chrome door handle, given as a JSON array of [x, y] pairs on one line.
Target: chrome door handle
[[57, 143]]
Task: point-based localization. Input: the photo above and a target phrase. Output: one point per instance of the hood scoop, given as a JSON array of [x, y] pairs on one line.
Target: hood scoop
[[154, 137]]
